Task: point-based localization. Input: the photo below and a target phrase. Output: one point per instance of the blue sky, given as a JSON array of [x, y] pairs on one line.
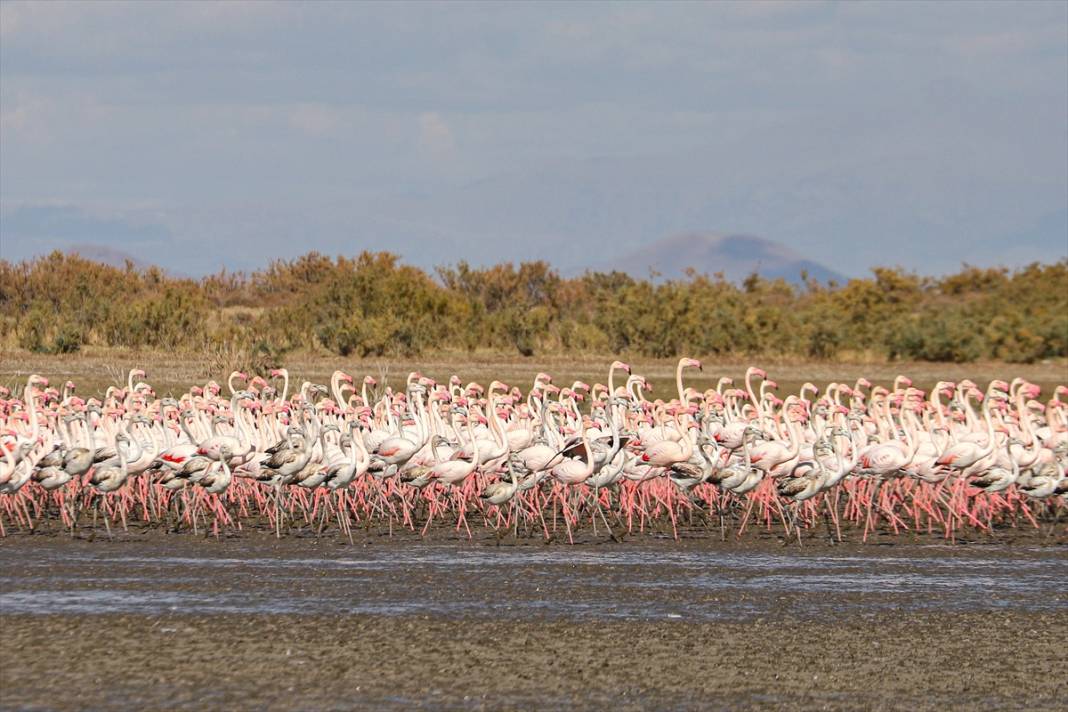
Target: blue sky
[[198, 135]]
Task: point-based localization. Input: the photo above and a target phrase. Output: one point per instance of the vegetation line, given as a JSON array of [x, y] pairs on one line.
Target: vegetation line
[[372, 305]]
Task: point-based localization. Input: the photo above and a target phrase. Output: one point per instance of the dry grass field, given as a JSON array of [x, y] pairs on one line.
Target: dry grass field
[[94, 369]]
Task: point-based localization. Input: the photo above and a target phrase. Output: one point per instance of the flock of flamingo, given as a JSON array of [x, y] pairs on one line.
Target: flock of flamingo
[[555, 461]]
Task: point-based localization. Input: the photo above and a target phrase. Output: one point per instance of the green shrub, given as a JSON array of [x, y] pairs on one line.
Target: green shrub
[[372, 305]]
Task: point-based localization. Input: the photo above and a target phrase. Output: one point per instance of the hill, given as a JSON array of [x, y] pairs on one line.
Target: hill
[[736, 256]]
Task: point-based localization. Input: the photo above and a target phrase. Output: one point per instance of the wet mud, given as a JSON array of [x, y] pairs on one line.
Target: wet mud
[[179, 622]]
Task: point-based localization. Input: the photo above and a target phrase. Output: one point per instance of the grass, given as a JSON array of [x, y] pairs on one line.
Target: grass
[[94, 369]]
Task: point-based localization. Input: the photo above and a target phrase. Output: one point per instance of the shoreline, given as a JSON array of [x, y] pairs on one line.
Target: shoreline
[[1052, 535]]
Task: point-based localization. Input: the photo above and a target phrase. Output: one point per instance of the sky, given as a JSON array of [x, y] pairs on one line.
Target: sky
[[200, 135]]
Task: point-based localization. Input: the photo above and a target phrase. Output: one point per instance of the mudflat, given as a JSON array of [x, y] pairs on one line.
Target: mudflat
[[181, 622], [1004, 660]]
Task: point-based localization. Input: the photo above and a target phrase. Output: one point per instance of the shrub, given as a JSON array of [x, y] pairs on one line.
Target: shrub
[[372, 305]]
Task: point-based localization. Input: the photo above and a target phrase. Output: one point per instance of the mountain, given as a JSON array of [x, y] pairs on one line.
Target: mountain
[[107, 255], [117, 258], [736, 256]]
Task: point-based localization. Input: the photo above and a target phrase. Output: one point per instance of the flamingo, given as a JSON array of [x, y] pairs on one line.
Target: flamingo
[[597, 451]]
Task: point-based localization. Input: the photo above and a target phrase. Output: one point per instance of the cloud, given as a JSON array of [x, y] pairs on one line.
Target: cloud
[[818, 124], [435, 136], [314, 119], [1007, 42], [15, 117], [10, 18]]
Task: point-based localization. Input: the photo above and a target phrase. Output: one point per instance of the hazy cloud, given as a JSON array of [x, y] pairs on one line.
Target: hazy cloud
[[491, 131], [313, 119], [435, 135]]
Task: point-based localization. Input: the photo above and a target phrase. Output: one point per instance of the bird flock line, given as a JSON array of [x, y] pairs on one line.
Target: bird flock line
[[548, 463]]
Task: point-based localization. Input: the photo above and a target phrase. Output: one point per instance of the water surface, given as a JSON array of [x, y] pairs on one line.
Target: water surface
[[656, 582]]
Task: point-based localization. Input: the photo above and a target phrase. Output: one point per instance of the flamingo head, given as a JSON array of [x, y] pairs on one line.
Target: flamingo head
[[691, 363], [621, 366]]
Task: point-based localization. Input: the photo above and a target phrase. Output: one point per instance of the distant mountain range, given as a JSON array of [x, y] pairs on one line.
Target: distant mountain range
[[735, 256], [105, 254], [116, 258]]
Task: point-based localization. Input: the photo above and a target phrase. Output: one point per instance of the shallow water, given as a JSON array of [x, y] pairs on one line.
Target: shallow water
[[461, 580]]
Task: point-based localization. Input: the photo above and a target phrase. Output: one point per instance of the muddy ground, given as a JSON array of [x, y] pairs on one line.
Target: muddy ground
[[177, 622], [1008, 660]]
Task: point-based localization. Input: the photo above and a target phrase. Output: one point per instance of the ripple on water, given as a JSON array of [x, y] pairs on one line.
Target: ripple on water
[[523, 582]]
